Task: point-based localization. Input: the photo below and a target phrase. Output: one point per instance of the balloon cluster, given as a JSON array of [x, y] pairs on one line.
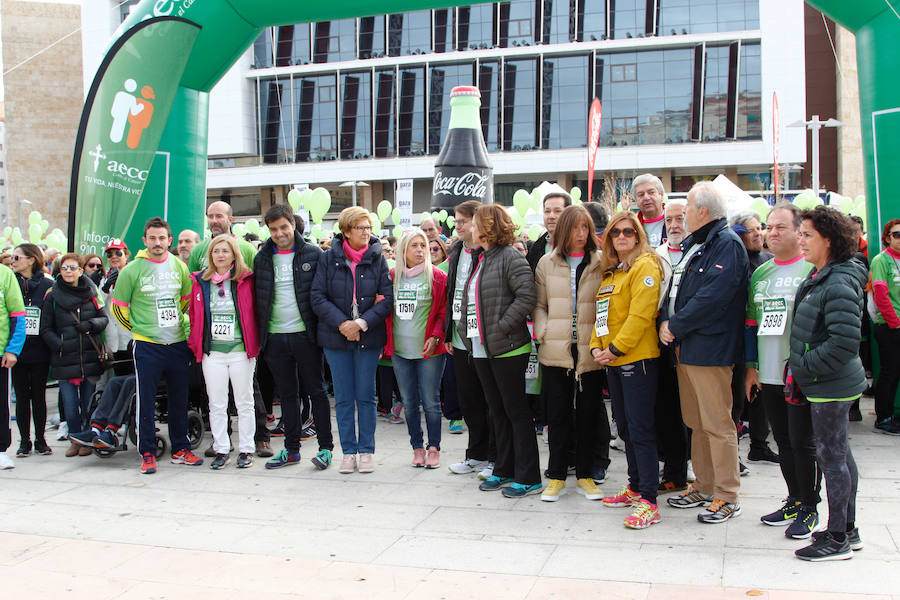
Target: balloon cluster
[[37, 234], [317, 201], [525, 203]]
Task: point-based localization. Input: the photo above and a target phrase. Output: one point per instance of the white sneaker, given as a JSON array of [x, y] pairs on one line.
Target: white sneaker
[[63, 433], [690, 473], [617, 444], [52, 423], [6, 462], [468, 466], [486, 472]]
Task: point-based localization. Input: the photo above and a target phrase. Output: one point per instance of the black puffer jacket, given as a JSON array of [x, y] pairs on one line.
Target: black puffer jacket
[[33, 291], [506, 295], [825, 332], [70, 314], [306, 259]]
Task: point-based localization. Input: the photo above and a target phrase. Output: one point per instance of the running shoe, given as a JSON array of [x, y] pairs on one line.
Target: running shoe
[[645, 514], [803, 526], [825, 547], [322, 459], [283, 459], [690, 498], [553, 491], [456, 426], [148, 463], [186, 457], [784, 515], [520, 490], [719, 512], [626, 497]]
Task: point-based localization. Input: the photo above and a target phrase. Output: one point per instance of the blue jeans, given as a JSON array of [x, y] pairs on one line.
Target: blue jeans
[[353, 375], [420, 382], [77, 403]]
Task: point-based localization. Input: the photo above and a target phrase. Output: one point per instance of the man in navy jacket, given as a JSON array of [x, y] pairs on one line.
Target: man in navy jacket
[[704, 319]]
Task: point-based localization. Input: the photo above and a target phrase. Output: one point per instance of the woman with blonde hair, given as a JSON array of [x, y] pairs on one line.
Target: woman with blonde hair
[[567, 281], [416, 342], [498, 297], [626, 342], [225, 341], [352, 296]]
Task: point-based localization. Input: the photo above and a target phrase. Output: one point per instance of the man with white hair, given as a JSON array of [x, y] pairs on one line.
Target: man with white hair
[[705, 316], [676, 231], [647, 191]]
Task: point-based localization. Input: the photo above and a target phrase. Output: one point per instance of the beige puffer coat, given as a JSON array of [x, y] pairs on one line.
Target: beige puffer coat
[[553, 313]]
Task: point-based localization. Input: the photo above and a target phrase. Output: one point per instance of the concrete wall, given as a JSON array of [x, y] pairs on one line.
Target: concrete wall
[[43, 104], [851, 174]]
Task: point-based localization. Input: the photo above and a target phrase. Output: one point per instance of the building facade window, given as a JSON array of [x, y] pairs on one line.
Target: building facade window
[[489, 84], [517, 21], [276, 131], [590, 22], [558, 21], [716, 94], [385, 113], [678, 17], [334, 41], [356, 115], [520, 79], [476, 27], [749, 98], [315, 113], [627, 18], [444, 29], [411, 112], [564, 102], [409, 33], [371, 37], [442, 79]]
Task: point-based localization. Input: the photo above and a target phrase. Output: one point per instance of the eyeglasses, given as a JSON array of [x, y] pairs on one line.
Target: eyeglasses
[[894, 234], [15, 257], [110, 253], [94, 265], [627, 232], [69, 267], [362, 227]]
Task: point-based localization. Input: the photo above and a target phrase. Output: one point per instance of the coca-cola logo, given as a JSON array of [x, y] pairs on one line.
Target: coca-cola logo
[[471, 184]]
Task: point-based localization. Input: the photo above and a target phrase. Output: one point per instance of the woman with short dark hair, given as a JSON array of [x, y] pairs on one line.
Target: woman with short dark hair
[[825, 367]]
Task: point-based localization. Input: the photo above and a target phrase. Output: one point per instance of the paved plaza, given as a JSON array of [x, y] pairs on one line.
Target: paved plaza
[[96, 528]]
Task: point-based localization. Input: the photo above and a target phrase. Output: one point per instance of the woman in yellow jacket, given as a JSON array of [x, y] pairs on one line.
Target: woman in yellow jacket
[[567, 282], [625, 340]]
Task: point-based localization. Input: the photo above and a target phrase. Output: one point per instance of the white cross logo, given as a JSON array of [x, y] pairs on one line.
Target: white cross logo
[[97, 154]]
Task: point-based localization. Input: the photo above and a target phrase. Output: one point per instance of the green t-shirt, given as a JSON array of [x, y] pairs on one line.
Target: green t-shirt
[[457, 306], [224, 326], [197, 260], [153, 292], [285, 317], [770, 306], [444, 266], [886, 268], [12, 304], [412, 304]]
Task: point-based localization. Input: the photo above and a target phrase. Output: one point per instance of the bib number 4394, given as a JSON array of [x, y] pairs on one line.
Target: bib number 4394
[[166, 312]]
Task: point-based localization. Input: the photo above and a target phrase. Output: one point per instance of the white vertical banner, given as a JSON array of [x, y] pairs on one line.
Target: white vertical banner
[[403, 200], [301, 210]]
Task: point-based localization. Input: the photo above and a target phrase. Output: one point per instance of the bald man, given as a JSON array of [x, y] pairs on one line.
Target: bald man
[[187, 239], [219, 219]]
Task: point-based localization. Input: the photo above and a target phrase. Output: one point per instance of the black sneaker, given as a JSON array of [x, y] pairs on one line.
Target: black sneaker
[[764, 455], [278, 431], [106, 439], [719, 512], [84, 438], [888, 425], [825, 547], [599, 475], [41, 447], [855, 413], [852, 537], [308, 433], [806, 522], [743, 471], [219, 461], [24, 449], [784, 515], [245, 459]]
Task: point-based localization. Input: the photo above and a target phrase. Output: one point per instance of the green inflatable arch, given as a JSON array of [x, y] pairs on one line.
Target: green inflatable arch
[[141, 147]]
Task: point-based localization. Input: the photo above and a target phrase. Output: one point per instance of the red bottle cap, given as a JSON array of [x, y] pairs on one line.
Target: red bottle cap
[[465, 90]]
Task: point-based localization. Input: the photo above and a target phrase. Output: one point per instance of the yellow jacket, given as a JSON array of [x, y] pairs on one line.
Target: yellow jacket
[[633, 298]]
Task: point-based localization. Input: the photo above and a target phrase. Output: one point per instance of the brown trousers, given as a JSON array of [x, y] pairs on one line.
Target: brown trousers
[[706, 409]]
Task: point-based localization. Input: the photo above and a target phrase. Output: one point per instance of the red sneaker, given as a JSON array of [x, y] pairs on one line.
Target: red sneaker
[[186, 457], [624, 498], [148, 463]]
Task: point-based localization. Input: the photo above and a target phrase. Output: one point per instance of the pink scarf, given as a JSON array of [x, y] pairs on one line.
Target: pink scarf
[[354, 256], [415, 270], [217, 279]]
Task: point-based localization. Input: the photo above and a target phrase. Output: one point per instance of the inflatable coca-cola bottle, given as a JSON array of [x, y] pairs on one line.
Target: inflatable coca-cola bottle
[[462, 170]]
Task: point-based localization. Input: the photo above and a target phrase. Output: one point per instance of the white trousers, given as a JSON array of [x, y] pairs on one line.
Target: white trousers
[[218, 369]]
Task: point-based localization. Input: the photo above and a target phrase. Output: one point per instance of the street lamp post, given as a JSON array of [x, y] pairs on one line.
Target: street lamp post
[[815, 125]]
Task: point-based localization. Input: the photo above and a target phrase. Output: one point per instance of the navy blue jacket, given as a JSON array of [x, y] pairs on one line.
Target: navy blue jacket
[[710, 307], [33, 291], [332, 296]]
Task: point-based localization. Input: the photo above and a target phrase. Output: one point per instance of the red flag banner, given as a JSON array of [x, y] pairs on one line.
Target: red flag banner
[[595, 118]]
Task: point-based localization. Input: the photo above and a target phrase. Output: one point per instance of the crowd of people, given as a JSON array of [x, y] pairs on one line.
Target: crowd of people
[[696, 327]]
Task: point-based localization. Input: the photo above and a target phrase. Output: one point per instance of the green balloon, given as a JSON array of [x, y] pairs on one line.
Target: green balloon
[[239, 229], [522, 202], [536, 200], [319, 203], [316, 231], [436, 217], [252, 226], [534, 232], [451, 222], [760, 207], [443, 215], [45, 224], [575, 192], [383, 210], [336, 228], [294, 199], [7, 231], [425, 215], [396, 215], [376, 223], [17, 236], [397, 231], [34, 218], [34, 233]]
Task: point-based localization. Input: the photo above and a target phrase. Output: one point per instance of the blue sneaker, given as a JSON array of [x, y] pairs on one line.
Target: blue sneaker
[[599, 475], [283, 459], [494, 483], [456, 426], [322, 459], [520, 490]]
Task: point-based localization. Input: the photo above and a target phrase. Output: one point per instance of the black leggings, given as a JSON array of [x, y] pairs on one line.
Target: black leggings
[[567, 398], [30, 383], [792, 430], [829, 421]]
